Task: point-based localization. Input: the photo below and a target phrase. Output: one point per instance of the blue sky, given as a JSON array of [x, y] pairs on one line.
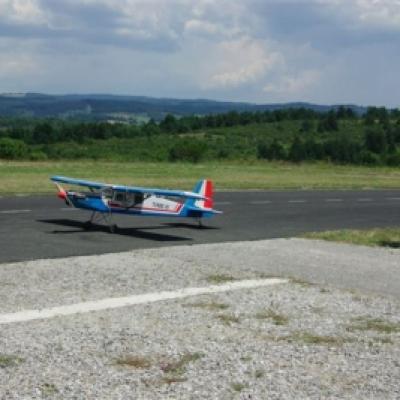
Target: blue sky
[[322, 51]]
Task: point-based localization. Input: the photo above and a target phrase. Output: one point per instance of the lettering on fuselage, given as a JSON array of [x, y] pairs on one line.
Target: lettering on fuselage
[[160, 206]]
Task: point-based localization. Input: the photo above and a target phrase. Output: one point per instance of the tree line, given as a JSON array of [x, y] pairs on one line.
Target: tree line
[[296, 135]]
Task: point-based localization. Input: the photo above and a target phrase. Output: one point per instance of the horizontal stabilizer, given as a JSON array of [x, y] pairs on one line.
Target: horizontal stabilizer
[[204, 210]]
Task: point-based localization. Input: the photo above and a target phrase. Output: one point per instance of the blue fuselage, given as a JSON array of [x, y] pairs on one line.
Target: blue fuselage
[[151, 206]]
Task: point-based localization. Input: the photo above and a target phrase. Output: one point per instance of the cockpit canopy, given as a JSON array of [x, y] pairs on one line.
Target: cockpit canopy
[[126, 199]]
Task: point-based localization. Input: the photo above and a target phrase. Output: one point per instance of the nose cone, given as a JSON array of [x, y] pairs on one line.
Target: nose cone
[[62, 194]]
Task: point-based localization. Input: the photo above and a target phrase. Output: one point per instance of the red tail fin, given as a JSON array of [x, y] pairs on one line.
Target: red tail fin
[[204, 188], [208, 192]]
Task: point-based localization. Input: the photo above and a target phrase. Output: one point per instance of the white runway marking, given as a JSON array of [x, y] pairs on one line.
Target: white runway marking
[[14, 211], [297, 201], [118, 302], [333, 200], [393, 198], [261, 202]]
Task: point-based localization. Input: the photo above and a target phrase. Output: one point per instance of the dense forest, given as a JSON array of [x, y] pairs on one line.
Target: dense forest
[[296, 135]]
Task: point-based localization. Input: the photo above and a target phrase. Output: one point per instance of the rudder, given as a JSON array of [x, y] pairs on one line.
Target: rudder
[[204, 188]]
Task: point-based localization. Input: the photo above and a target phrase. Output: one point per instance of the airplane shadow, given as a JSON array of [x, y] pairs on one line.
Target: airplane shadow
[[188, 226], [132, 232]]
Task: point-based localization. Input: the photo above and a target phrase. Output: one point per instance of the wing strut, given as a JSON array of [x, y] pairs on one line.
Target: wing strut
[[102, 217]]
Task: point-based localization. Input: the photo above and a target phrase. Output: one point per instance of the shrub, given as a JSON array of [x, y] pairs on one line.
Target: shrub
[[69, 150], [375, 141], [297, 151], [393, 159], [191, 150], [37, 155], [367, 157], [12, 149]]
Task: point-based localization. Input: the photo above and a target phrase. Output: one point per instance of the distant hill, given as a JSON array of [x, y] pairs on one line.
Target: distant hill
[[129, 108]]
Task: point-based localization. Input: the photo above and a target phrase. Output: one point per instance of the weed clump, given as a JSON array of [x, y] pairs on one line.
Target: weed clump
[[134, 362], [238, 387], [313, 339], [174, 370], [49, 389], [208, 306], [220, 278], [7, 360], [373, 324], [228, 319], [277, 318]]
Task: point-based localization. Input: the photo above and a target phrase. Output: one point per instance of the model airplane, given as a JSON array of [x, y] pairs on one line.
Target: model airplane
[[104, 200]]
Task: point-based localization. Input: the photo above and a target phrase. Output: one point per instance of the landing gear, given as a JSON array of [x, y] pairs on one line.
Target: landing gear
[[113, 228], [101, 217], [200, 223]]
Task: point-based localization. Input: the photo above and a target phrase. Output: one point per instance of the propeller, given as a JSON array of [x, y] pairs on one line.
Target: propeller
[[62, 194]]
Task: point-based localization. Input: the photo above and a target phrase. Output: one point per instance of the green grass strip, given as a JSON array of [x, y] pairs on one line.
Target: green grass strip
[[384, 237], [33, 177]]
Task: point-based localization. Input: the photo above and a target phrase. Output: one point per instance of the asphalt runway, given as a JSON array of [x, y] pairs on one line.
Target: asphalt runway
[[43, 227]]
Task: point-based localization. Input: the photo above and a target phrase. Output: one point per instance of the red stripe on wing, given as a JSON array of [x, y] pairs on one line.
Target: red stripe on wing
[[155, 209]]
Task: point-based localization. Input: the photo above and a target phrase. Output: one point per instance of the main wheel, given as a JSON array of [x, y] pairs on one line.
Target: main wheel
[[113, 228]]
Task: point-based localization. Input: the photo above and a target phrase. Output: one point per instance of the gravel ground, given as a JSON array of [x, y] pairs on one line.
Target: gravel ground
[[289, 341]]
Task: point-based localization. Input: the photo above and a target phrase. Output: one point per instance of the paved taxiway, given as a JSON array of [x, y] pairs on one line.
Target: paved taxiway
[[43, 227]]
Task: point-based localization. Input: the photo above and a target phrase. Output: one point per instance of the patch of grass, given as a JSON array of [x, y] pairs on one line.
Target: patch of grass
[[313, 339], [259, 373], [220, 278], [8, 360], [178, 367], [263, 275], [49, 389], [134, 362], [228, 319], [373, 324], [379, 340], [238, 387], [33, 176], [383, 237], [213, 306], [170, 379], [277, 318], [301, 282]]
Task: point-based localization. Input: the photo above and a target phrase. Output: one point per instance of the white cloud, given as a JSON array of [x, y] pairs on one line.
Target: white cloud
[[22, 11], [294, 85], [380, 13], [198, 26], [18, 64], [243, 61], [383, 14]]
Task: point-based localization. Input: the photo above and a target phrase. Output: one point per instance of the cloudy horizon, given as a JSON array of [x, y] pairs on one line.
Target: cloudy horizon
[[259, 51]]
